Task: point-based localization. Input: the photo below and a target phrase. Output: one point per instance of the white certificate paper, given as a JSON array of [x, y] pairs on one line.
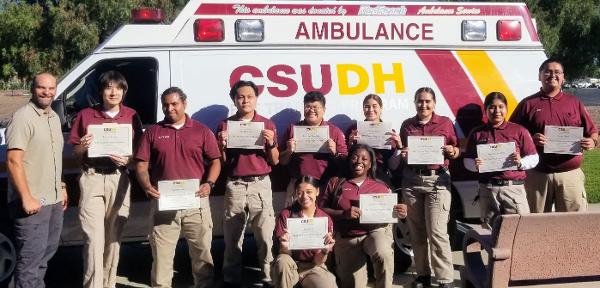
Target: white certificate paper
[[245, 135], [563, 140], [307, 233], [312, 139], [378, 208], [180, 194], [494, 157], [374, 134], [425, 150], [110, 138]]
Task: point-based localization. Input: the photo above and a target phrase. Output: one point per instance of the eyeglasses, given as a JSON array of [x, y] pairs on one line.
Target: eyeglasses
[[552, 72], [312, 108]]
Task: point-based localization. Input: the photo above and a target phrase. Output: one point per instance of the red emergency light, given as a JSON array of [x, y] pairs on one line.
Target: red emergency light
[[209, 30], [508, 30], [147, 15]]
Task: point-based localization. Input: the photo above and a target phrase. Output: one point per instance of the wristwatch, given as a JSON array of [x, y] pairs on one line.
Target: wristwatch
[[211, 184]]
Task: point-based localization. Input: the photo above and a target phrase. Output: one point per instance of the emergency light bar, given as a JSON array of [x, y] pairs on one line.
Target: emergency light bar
[[474, 30], [508, 30], [249, 30], [209, 30], [147, 15]]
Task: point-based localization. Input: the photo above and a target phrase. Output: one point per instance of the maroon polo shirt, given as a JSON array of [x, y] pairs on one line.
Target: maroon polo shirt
[[381, 155], [295, 211], [539, 110], [349, 196], [437, 126], [176, 154], [506, 132], [315, 164], [95, 116], [246, 162]]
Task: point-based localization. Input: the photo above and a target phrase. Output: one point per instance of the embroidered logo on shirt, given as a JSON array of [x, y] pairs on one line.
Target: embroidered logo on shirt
[[161, 137]]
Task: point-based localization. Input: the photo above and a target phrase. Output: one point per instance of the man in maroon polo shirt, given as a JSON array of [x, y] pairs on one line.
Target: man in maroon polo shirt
[[177, 149], [558, 178], [248, 194], [320, 166]]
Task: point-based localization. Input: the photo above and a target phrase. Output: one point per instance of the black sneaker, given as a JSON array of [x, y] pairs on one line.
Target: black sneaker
[[422, 282]]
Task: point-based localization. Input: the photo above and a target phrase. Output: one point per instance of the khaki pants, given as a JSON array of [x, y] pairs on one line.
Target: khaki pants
[[196, 226], [286, 273], [103, 211], [351, 262], [428, 199], [566, 190], [498, 200], [248, 202]]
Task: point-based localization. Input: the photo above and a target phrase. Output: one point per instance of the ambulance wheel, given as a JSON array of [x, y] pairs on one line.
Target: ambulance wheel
[[456, 215], [402, 248], [8, 259]]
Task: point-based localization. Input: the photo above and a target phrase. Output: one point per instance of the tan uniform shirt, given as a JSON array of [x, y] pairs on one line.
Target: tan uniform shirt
[[38, 133]]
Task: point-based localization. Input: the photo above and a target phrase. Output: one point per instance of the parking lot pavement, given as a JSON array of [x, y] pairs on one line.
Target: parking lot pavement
[[65, 269]]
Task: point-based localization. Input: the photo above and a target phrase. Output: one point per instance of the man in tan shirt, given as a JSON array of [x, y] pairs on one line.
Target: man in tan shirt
[[36, 195]]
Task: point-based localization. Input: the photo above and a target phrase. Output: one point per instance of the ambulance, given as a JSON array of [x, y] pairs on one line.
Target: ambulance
[[345, 49]]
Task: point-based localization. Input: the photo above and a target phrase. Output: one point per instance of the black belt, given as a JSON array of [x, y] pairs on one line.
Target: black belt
[[501, 182], [428, 172], [105, 170], [249, 178]]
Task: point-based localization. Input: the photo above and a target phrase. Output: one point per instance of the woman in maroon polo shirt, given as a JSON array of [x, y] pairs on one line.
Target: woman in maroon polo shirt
[[304, 267], [501, 192], [355, 241], [387, 159], [104, 182], [426, 191]]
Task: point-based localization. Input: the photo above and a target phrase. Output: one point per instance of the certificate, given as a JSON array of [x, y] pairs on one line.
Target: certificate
[[495, 157], [307, 233], [180, 194], [312, 139], [425, 150], [374, 134], [110, 138], [245, 135], [563, 140], [378, 208]]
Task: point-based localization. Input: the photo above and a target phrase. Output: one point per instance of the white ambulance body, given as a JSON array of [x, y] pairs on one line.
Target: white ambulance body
[[344, 49]]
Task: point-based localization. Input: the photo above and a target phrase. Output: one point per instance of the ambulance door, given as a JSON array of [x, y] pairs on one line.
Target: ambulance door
[[147, 74]]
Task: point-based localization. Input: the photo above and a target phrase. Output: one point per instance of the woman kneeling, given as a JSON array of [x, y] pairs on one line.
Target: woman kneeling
[[304, 267]]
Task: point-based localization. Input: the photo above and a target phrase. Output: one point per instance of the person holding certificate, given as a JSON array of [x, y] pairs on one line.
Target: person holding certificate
[[180, 151], [557, 181], [320, 166], [426, 188], [387, 159], [354, 241], [501, 191], [104, 183], [304, 267], [248, 195]]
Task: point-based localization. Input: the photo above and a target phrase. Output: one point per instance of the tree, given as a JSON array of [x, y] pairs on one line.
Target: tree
[[569, 31], [55, 35]]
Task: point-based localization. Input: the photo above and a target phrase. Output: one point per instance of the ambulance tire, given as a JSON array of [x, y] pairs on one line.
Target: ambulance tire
[[402, 247], [8, 260], [456, 214]]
